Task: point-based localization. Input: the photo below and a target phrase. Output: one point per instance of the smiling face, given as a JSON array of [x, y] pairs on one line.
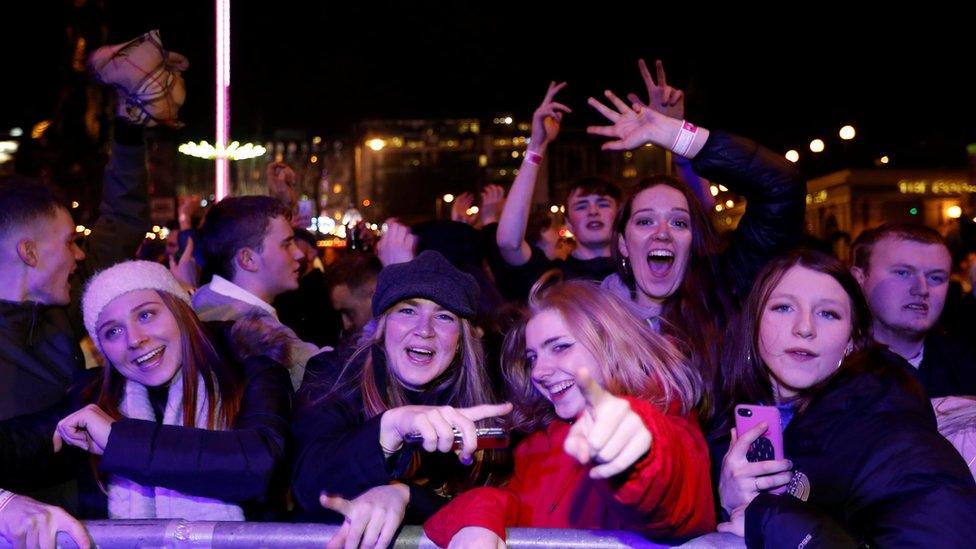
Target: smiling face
[[554, 356], [657, 241], [57, 255], [141, 338], [590, 217], [421, 340], [804, 330]]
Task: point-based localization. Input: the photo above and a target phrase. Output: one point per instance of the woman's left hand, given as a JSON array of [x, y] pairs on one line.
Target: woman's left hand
[[737, 522], [608, 431], [87, 429]]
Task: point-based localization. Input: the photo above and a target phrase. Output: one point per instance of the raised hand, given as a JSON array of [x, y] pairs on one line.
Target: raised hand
[[631, 126], [87, 429], [459, 209], [281, 180], [546, 119], [662, 98], [741, 480], [608, 432], [185, 270], [398, 245], [492, 203], [372, 518], [436, 425]]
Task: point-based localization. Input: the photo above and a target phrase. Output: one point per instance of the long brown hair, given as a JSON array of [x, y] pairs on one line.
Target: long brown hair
[[698, 311], [747, 378], [199, 359], [634, 360]]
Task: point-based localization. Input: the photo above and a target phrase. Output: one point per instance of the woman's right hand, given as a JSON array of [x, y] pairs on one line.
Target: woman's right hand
[[476, 537], [546, 119], [741, 480], [436, 425], [372, 518]]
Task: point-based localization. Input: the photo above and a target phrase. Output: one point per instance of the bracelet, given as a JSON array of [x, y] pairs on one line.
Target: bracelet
[[684, 139], [533, 157], [389, 452], [5, 497]]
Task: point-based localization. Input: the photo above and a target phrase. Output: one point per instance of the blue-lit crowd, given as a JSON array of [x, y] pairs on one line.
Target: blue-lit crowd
[[471, 375]]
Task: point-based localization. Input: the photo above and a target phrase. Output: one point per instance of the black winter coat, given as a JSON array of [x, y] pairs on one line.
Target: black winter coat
[[245, 465], [338, 446], [880, 473]]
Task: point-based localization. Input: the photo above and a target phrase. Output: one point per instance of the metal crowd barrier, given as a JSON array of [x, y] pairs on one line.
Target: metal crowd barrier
[[150, 534]]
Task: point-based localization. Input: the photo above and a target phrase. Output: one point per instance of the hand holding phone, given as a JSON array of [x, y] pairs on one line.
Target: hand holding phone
[[769, 445]]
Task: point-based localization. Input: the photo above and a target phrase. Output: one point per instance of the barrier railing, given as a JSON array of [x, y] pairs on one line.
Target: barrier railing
[[112, 534]]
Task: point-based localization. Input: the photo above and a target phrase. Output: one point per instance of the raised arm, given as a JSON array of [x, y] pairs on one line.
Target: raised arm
[[515, 215]]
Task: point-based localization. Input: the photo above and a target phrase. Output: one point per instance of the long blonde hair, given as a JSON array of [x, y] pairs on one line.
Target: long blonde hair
[[634, 359]]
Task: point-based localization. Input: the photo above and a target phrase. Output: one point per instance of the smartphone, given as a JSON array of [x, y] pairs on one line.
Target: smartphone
[[488, 438], [770, 444]]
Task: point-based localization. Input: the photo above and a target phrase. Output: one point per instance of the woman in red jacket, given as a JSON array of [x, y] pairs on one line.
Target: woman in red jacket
[[613, 440]]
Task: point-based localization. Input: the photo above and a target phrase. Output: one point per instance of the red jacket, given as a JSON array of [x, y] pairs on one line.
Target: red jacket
[[666, 494]]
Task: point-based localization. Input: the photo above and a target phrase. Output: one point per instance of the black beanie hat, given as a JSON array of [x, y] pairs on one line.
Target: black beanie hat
[[427, 276]]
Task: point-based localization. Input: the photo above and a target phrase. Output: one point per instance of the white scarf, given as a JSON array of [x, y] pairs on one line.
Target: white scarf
[[131, 500]]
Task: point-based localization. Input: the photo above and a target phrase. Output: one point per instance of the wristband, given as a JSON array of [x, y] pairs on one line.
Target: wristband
[[5, 497], [686, 136], [533, 157]]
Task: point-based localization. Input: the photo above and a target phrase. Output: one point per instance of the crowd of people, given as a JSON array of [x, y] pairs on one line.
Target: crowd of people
[[471, 375]]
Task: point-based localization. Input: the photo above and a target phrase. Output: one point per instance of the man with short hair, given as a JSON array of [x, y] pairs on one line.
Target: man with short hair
[[43, 267], [308, 310], [39, 253], [904, 272], [591, 206], [249, 245], [353, 279]]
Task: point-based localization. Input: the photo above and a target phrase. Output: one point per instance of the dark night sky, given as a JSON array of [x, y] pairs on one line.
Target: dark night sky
[[902, 81]]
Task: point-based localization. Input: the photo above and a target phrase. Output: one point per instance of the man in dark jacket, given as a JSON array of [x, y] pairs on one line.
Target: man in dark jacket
[[904, 272], [43, 269]]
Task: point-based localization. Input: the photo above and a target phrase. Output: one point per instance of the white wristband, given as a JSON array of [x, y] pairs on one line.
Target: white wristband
[[686, 136], [5, 497]]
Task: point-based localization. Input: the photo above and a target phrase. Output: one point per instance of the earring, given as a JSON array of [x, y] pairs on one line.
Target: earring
[[625, 265], [849, 349]]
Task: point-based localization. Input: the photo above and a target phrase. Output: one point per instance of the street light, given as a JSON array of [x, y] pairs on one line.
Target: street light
[[793, 156], [376, 144], [847, 132], [448, 198], [817, 146]]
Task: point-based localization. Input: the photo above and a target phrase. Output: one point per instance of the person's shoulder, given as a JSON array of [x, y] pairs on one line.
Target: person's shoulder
[[324, 371], [941, 343]]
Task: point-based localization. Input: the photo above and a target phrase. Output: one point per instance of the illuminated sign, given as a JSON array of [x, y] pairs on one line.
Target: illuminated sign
[[939, 186]]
